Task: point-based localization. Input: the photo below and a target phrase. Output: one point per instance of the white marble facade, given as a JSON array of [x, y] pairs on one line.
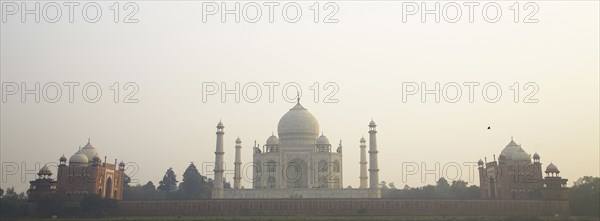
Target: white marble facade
[[298, 163]]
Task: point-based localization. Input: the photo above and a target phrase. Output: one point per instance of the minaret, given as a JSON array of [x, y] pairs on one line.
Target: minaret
[[363, 164], [483, 185], [218, 181], [237, 178], [373, 168]]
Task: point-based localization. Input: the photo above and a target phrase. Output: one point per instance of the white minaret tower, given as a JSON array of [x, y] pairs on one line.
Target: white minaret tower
[[363, 164], [237, 178], [218, 181], [373, 168]]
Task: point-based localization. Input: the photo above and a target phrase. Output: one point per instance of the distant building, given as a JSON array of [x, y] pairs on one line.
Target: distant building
[[84, 174], [515, 177]]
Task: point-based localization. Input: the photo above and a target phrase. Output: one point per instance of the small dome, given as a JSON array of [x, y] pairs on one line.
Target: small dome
[[78, 158], [45, 171], [63, 158], [89, 151], [238, 140], [298, 123], [372, 123], [536, 156], [551, 168], [362, 140], [480, 162], [322, 140], [272, 140], [220, 125], [121, 163]]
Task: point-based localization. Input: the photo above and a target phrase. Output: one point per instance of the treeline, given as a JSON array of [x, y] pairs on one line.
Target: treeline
[[458, 189], [13, 205], [584, 197], [193, 186]]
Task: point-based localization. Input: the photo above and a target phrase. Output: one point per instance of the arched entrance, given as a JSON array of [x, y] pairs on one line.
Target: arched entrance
[[296, 174], [108, 192]]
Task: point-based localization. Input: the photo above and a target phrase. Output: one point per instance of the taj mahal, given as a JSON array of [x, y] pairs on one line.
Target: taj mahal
[[299, 171], [298, 163]]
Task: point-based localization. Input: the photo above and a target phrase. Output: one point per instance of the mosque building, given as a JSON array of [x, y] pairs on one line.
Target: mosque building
[[515, 177], [84, 174]]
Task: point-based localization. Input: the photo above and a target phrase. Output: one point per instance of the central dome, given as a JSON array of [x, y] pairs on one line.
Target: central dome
[[298, 123], [514, 152], [89, 151]]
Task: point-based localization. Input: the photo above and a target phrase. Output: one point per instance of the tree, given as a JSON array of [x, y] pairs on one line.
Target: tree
[[442, 183], [145, 192], [169, 182], [383, 185], [584, 196], [442, 190], [226, 184], [194, 185], [13, 204], [149, 186], [392, 185]]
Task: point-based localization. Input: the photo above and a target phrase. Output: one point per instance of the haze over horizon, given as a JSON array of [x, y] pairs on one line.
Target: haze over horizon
[[368, 56]]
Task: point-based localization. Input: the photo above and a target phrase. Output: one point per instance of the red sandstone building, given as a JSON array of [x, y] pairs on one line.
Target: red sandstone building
[[515, 177], [84, 174]]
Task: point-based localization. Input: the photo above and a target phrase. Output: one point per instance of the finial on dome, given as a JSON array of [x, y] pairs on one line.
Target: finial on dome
[[298, 96], [372, 123], [89, 140]]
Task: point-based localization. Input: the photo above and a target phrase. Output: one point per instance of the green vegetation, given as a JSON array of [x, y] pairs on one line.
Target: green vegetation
[[584, 197], [169, 182], [194, 186], [442, 190], [13, 204]]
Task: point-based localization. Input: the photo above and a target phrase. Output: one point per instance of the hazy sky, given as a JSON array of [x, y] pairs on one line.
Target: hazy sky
[[368, 54]]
